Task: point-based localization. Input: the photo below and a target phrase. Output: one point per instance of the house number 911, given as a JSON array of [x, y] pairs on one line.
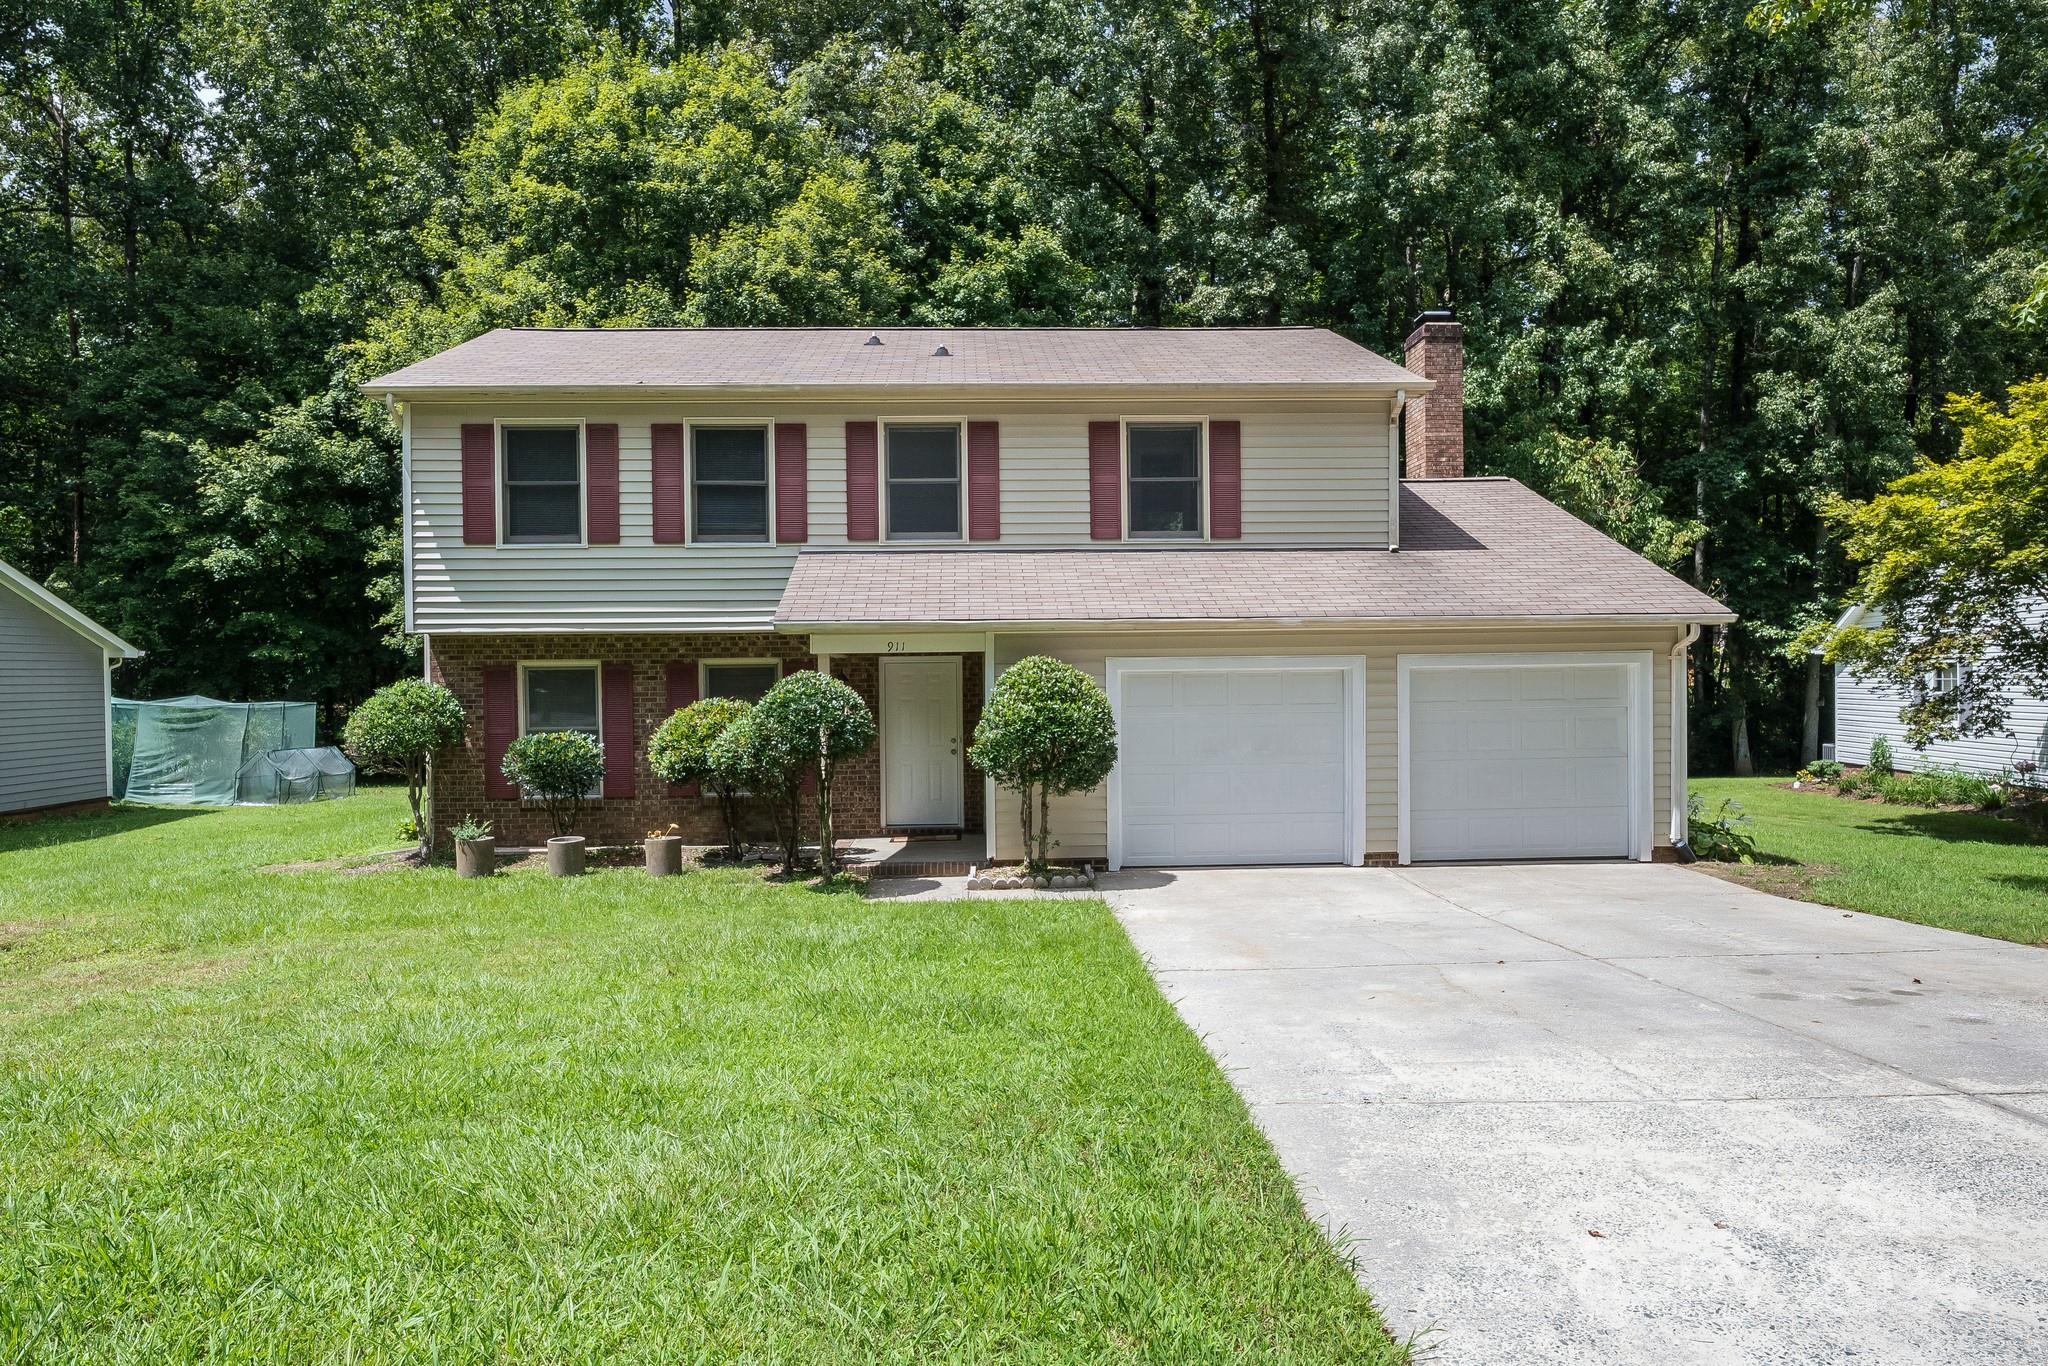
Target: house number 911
[[896, 647]]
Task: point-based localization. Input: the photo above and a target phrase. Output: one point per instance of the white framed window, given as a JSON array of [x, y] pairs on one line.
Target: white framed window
[[560, 696], [1944, 679], [540, 467], [1165, 468], [556, 696], [729, 483], [746, 679], [922, 483]]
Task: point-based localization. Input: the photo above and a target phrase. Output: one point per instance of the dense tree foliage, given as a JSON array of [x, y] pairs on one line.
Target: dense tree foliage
[[1954, 572], [1719, 263]]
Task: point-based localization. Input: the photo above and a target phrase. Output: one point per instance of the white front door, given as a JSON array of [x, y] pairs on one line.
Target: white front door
[[921, 740]]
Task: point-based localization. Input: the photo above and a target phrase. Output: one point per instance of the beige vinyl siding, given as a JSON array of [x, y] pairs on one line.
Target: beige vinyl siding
[[1081, 822], [1313, 473]]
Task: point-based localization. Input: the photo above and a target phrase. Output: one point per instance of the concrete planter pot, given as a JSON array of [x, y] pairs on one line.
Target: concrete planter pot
[[476, 858], [664, 855], [565, 856]]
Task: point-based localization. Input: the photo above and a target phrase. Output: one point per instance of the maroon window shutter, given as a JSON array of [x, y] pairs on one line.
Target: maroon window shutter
[[791, 666], [479, 483], [1105, 481], [863, 522], [1226, 481], [501, 723], [984, 481], [616, 693], [665, 439], [792, 482], [601, 477], [682, 691]]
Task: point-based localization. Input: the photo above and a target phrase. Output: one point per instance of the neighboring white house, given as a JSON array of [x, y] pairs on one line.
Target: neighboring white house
[[56, 733], [1866, 708]]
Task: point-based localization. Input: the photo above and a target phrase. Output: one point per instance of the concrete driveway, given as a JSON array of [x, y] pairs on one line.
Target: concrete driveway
[[1626, 1113]]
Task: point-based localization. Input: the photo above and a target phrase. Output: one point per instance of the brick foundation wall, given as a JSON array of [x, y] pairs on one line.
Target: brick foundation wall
[[457, 788]]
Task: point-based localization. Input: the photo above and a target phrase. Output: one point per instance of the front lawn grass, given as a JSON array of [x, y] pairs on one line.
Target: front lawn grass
[[322, 1115], [1956, 869]]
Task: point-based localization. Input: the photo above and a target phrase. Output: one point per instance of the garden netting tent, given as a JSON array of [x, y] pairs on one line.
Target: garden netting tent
[[284, 776], [190, 751]]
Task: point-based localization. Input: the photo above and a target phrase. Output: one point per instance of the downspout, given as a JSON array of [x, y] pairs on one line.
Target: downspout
[[1680, 830], [1394, 410]]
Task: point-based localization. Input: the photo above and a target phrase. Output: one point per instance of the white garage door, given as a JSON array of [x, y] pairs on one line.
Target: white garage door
[[1235, 764], [1519, 762]]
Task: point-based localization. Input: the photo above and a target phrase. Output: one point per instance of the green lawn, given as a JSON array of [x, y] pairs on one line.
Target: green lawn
[[1955, 869], [321, 1115]]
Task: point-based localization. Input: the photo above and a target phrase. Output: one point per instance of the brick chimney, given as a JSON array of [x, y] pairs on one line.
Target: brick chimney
[[1433, 425]]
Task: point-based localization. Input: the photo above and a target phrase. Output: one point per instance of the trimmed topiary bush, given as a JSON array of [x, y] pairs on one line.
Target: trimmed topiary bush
[[1045, 731], [397, 729], [680, 752], [557, 767], [822, 722], [760, 761]]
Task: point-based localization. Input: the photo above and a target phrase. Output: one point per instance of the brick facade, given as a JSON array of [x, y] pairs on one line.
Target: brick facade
[[457, 788]]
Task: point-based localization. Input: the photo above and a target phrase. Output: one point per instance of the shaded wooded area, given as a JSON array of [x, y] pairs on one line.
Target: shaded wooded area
[[1710, 272]]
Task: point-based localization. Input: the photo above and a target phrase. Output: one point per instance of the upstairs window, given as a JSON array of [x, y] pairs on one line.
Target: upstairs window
[[730, 483], [1944, 679], [924, 483], [746, 679], [543, 485], [1165, 477]]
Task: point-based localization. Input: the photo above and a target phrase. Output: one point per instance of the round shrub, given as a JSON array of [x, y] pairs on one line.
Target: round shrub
[[1045, 731], [823, 722], [764, 762], [558, 768], [680, 752], [397, 728]]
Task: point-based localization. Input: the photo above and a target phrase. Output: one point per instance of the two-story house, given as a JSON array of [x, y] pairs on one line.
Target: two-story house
[[1311, 658]]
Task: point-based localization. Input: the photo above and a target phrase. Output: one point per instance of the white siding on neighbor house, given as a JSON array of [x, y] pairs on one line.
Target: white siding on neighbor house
[[53, 710], [1314, 472], [1867, 708], [1081, 822]]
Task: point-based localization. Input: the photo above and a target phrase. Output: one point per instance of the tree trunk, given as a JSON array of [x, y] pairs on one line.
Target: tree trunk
[[1024, 812], [1739, 757], [827, 860], [1809, 729], [1044, 830]]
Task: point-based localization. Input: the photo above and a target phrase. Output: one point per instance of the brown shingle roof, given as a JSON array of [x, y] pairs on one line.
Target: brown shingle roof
[[1470, 548], [838, 357]]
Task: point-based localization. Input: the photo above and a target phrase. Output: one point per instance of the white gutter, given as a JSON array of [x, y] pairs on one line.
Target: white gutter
[[1681, 832], [1394, 411]]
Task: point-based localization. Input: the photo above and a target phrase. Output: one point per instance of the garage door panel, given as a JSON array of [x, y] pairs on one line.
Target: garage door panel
[[1519, 762], [1223, 765]]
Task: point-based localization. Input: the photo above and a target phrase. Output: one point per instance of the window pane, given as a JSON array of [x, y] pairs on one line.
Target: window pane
[[731, 453], [732, 510], [543, 512], [561, 699], [540, 453], [1167, 505], [1165, 452], [924, 509], [747, 682], [924, 452]]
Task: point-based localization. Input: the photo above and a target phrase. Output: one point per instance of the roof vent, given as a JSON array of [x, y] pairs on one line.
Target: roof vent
[[873, 340], [942, 351]]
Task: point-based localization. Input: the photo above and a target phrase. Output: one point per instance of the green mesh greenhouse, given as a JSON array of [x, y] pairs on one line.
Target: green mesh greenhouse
[[200, 751]]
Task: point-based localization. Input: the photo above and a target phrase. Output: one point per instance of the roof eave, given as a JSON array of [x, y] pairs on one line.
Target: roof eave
[[1723, 618], [1366, 390], [63, 611]]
